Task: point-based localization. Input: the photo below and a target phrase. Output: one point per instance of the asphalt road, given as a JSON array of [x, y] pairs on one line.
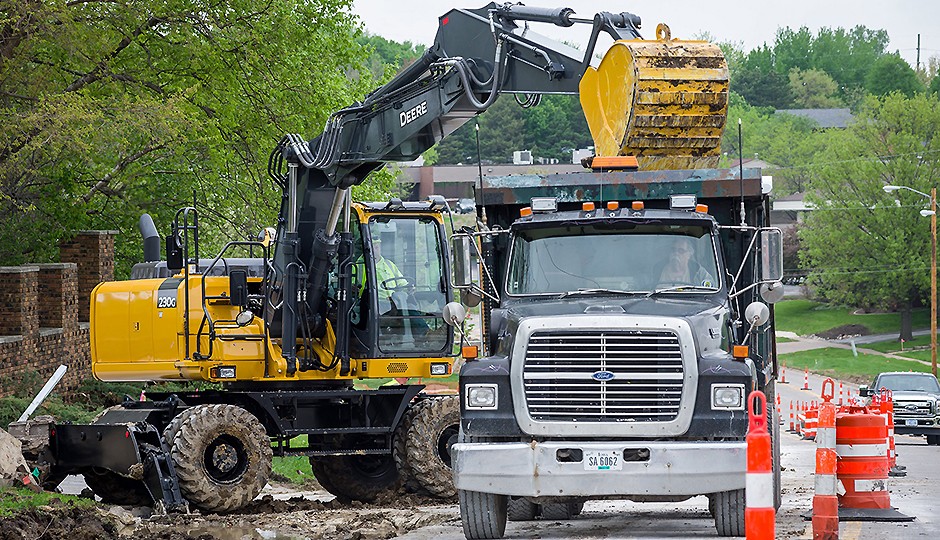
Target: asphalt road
[[914, 495]]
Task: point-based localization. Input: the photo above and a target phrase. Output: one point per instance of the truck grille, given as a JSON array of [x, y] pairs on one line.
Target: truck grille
[[912, 409], [560, 384]]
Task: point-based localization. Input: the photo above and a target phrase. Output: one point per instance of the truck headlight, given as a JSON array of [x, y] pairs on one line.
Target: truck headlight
[[439, 368], [482, 396], [728, 397]]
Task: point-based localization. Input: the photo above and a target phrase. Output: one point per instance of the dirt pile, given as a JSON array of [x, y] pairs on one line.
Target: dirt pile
[[57, 523]]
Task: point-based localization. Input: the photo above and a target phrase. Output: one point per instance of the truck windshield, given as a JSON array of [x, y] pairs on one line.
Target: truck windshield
[[640, 258], [903, 382]]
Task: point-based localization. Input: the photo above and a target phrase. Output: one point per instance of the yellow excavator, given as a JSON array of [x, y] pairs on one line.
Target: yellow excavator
[[287, 333]]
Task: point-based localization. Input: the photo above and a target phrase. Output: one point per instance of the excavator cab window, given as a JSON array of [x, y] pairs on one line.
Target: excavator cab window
[[405, 264]]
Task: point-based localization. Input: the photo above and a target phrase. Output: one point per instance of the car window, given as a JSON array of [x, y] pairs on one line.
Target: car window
[[902, 382]]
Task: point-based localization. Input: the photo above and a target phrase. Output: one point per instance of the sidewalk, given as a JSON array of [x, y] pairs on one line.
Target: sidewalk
[[802, 343]]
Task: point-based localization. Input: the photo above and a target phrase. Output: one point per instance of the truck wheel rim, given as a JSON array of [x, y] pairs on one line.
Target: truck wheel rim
[[446, 441]]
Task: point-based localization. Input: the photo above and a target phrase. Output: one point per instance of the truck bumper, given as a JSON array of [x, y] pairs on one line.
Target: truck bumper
[[533, 470]]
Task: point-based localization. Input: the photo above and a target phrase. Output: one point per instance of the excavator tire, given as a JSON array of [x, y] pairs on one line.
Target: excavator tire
[[356, 477], [521, 509], [434, 430], [400, 453], [171, 429], [110, 486], [222, 456]]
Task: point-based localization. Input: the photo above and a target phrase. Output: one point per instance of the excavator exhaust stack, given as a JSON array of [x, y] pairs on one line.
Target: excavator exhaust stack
[[664, 101]]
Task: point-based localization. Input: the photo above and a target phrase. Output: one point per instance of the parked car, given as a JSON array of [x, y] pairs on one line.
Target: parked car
[[916, 397]]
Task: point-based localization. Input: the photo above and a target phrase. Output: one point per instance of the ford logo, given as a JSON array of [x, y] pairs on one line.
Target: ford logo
[[602, 375]]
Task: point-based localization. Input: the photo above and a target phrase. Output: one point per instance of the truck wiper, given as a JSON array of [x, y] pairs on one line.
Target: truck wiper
[[683, 288], [597, 291]]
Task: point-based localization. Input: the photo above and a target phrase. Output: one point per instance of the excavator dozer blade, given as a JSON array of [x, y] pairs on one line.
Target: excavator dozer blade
[[664, 101]]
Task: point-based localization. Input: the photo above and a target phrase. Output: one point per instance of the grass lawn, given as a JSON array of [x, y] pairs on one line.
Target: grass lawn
[[806, 317], [293, 469], [894, 346], [784, 340], [840, 364], [14, 500]]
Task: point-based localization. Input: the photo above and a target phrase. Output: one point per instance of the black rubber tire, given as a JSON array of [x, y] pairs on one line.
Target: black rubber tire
[[172, 429], [116, 489], [222, 456], [556, 511], [729, 512], [356, 478], [434, 430], [483, 515], [576, 508], [774, 430], [400, 452], [933, 440], [521, 509]]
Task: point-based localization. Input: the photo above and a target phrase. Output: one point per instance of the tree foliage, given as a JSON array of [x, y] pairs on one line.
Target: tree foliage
[[813, 89], [111, 109], [890, 73], [865, 247]]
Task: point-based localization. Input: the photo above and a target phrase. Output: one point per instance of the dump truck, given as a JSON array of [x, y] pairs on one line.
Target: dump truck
[[285, 327], [626, 322]]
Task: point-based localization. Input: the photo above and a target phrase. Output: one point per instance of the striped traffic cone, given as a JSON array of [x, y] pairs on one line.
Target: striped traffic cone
[[825, 501], [759, 483], [783, 374], [805, 380], [792, 419]]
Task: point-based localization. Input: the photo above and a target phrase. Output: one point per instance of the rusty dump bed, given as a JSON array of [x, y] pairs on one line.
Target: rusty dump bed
[[664, 101]]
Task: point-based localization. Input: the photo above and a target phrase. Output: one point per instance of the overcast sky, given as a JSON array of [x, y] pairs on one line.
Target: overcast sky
[[749, 22]]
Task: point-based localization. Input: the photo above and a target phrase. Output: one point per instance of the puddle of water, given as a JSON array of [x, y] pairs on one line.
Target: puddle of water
[[237, 533]]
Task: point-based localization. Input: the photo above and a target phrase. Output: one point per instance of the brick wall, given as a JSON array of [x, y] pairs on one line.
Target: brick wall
[[44, 310]]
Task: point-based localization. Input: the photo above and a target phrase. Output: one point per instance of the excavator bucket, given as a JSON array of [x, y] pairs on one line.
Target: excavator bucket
[[664, 101]]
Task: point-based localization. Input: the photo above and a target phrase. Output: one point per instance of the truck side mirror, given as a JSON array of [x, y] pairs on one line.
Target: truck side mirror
[[771, 248], [864, 391], [238, 287], [174, 253], [464, 261]]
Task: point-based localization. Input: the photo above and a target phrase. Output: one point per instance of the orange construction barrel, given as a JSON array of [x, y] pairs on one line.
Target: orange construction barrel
[[862, 446]]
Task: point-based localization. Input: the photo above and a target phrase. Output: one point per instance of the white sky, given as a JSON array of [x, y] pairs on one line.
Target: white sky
[[750, 22]]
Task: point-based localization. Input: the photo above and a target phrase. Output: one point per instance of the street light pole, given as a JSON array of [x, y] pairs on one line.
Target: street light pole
[[933, 265], [933, 282]]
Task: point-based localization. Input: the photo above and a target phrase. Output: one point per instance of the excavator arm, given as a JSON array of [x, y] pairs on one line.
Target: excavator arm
[[477, 55]]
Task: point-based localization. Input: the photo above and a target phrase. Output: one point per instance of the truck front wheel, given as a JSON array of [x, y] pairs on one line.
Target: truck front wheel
[[933, 440], [483, 514], [728, 510], [222, 455]]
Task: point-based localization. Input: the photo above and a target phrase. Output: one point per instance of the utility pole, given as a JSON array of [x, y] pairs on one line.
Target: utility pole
[[918, 64]]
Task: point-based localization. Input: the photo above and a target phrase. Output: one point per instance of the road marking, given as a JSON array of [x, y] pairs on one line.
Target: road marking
[[852, 530]]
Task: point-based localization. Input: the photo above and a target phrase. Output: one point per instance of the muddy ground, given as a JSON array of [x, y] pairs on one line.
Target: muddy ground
[[266, 518]]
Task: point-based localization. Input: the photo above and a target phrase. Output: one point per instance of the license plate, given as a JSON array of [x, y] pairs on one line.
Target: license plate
[[911, 422], [603, 461]]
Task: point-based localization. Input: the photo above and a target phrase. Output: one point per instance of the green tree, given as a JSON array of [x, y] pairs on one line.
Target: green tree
[[863, 247], [111, 109], [891, 73], [934, 88], [847, 56], [758, 82], [813, 89]]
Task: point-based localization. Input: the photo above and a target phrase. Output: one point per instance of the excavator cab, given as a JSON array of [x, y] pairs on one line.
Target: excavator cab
[[399, 280]]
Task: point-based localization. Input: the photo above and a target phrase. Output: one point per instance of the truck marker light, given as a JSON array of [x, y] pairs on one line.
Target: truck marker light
[[637, 206], [740, 351], [613, 205], [701, 208], [469, 352], [587, 207], [525, 212]]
